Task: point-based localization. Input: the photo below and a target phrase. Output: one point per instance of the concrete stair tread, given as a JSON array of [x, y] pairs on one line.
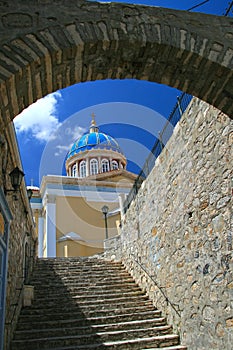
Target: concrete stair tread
[[117, 344], [103, 297], [101, 325], [158, 338], [82, 301], [85, 310], [95, 320], [93, 279], [99, 282], [64, 274], [90, 303], [89, 291], [90, 331], [100, 293], [101, 334], [175, 347]]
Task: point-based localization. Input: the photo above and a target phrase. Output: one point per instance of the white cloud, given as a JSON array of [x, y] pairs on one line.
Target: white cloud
[[40, 118], [73, 134]]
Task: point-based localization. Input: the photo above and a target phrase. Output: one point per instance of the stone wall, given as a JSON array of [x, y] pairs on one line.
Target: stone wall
[[22, 240], [179, 229], [47, 45]]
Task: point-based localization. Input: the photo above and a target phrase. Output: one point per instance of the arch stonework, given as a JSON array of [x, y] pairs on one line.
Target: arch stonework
[[47, 45]]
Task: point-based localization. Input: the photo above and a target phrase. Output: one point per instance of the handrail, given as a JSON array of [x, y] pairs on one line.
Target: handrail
[[157, 285], [182, 103]]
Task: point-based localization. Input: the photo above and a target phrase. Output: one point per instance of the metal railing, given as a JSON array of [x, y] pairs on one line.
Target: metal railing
[[182, 103], [173, 306]]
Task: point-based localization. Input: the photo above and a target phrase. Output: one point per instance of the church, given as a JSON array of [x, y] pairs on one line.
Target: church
[[73, 214]]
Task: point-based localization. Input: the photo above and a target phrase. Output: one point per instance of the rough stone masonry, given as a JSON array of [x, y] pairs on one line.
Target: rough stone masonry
[[179, 228], [46, 45]]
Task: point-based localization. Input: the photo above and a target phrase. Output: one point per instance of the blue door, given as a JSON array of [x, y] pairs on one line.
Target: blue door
[[5, 218]]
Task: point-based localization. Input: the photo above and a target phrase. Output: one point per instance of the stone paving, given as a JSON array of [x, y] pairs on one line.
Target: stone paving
[[90, 303]]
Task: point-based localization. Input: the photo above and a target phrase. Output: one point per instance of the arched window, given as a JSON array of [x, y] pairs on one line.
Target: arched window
[[82, 168], [74, 170], [105, 165], [94, 166], [115, 165]]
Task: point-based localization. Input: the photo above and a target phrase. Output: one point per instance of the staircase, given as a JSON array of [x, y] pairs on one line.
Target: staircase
[[89, 303]]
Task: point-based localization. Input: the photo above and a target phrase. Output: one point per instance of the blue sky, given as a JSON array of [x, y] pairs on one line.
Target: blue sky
[[131, 111]]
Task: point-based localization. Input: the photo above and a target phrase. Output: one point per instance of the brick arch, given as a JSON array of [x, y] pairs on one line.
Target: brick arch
[[46, 45]]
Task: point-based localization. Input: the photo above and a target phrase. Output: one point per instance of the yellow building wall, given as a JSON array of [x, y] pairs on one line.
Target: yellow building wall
[[75, 214], [71, 249], [36, 219]]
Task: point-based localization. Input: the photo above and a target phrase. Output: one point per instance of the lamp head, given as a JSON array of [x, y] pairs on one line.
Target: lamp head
[[16, 176], [29, 193], [105, 209]]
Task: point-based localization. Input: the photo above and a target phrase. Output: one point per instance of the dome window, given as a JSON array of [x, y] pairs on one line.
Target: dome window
[[94, 166], [83, 169], [115, 165], [74, 170], [105, 165]]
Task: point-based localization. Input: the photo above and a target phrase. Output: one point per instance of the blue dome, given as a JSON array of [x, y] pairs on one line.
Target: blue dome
[[94, 140]]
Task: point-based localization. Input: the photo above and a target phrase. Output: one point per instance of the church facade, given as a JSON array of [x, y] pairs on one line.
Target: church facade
[[68, 210]]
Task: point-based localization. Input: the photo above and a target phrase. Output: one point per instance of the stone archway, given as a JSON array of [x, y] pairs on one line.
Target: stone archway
[[47, 45]]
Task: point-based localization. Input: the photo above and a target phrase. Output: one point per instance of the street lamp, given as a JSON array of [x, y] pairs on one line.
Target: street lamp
[[16, 176], [29, 193], [105, 209]]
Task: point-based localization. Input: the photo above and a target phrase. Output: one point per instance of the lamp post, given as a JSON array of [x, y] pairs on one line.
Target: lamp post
[[105, 212]]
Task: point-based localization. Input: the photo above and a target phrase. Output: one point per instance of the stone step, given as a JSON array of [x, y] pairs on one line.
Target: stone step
[[175, 347], [29, 313], [77, 261], [82, 282], [83, 277], [111, 340], [41, 323], [92, 300], [113, 330], [80, 272], [88, 295], [56, 269], [37, 332], [84, 305], [39, 290], [89, 303]]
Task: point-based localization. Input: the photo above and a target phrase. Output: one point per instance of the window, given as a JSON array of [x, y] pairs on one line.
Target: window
[[114, 165], [94, 166], [82, 168], [105, 165], [74, 170]]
